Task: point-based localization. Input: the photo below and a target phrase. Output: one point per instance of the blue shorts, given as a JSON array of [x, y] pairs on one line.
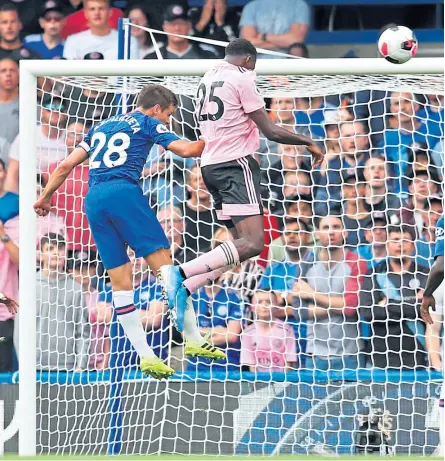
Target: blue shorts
[[120, 215]]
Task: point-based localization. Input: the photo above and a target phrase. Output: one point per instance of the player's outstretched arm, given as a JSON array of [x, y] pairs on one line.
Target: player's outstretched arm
[[282, 136], [42, 207], [435, 278], [187, 149]]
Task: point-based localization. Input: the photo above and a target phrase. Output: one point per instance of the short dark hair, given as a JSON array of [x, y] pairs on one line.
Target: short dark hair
[[52, 238], [9, 7], [241, 47], [154, 94], [403, 229], [300, 222]]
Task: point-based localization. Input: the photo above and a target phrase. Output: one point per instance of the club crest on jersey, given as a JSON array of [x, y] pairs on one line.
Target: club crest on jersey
[[162, 128], [439, 232]]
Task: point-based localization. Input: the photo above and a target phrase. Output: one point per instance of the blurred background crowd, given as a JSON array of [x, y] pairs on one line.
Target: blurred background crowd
[[348, 245]]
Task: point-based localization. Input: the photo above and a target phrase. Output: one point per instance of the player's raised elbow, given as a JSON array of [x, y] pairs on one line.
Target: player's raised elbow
[[272, 134]]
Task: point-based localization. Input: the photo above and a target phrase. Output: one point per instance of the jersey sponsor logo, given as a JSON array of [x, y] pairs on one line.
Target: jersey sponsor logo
[[162, 128], [414, 284], [439, 232], [222, 310]]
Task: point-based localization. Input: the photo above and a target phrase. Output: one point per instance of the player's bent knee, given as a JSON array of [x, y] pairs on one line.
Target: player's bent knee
[[256, 247]]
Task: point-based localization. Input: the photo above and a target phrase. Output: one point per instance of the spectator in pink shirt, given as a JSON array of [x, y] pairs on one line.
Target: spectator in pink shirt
[[268, 344], [9, 285]]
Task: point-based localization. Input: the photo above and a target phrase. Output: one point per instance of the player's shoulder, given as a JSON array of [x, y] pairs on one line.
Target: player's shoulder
[[440, 227], [250, 330]]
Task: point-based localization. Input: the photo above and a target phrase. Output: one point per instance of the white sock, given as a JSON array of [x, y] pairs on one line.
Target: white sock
[[442, 422], [191, 330], [130, 320]]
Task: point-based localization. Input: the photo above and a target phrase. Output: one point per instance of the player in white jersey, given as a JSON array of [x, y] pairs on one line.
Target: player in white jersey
[[435, 278], [231, 113]]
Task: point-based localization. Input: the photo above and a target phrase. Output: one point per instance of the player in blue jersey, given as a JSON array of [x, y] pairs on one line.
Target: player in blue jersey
[[435, 278], [119, 214]]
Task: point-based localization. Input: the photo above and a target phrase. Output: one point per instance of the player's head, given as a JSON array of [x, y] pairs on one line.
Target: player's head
[[9, 74], [53, 252], [241, 52], [10, 24], [158, 102], [97, 12], [264, 305]]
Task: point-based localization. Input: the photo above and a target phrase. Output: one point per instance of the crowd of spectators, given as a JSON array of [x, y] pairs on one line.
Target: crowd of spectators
[[348, 245]]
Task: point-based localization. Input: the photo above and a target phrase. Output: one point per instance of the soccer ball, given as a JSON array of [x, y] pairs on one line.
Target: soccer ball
[[398, 44]]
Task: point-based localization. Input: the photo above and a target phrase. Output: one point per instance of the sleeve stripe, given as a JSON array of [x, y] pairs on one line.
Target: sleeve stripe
[[84, 146]]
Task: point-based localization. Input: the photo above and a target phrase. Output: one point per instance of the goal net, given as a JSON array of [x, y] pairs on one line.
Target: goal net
[[335, 360]]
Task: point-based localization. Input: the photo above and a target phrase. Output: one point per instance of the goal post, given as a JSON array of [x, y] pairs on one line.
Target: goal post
[[328, 77]]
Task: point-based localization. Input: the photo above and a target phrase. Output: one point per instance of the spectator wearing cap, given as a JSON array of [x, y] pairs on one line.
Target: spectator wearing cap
[[398, 142], [48, 45], [328, 296], [77, 21], [50, 141], [99, 38], [424, 184], [61, 312], [378, 195], [69, 198], [177, 21], [9, 105], [275, 24], [354, 212], [216, 22], [390, 301], [82, 266], [354, 144], [11, 45], [89, 104], [374, 250], [426, 241]]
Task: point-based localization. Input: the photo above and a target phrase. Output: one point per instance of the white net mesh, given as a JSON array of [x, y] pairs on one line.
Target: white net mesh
[[341, 363]]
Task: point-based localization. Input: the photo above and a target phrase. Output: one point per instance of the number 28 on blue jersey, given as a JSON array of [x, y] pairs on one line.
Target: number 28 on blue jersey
[[118, 146]]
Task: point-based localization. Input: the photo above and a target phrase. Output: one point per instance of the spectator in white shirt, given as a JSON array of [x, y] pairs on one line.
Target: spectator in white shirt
[[99, 38], [50, 140]]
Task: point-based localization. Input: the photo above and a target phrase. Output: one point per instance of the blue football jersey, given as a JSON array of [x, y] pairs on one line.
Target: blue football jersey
[[439, 250], [118, 146]]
